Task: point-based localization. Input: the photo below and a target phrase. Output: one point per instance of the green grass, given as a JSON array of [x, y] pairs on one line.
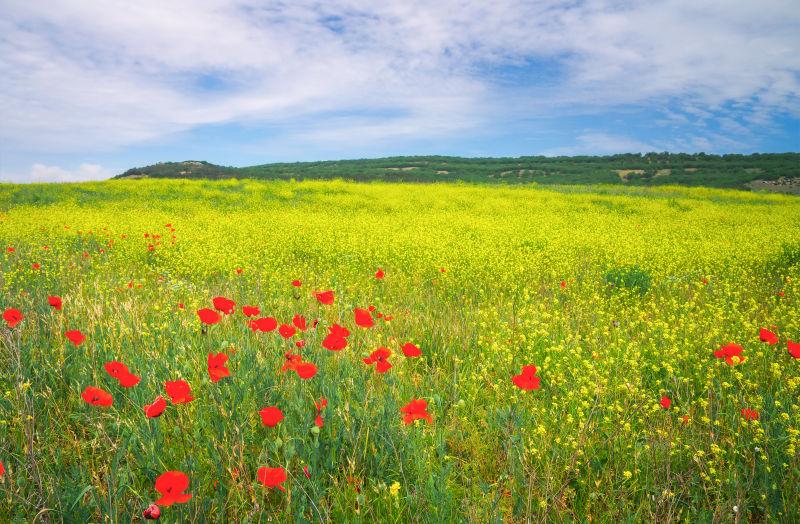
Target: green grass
[[692, 268]]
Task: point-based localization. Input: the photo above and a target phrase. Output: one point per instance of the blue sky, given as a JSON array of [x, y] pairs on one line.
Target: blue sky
[[89, 89]]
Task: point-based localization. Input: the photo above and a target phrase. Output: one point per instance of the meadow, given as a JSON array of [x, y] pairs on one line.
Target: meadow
[[660, 322]]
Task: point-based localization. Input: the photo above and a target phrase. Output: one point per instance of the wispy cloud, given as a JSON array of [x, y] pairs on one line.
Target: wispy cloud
[[81, 77]]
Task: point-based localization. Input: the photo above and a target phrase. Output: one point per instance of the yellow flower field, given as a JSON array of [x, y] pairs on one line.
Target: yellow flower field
[[620, 297]]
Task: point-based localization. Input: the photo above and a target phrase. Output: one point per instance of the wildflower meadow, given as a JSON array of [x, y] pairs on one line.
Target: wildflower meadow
[[330, 351]]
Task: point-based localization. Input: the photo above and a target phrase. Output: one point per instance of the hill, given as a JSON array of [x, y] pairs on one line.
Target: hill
[[772, 172]]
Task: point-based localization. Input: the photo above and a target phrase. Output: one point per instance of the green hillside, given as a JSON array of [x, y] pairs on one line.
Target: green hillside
[[779, 172]]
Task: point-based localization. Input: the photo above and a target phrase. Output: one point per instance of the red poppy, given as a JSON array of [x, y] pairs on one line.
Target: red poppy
[[296, 283], [666, 402], [750, 414], [10, 249], [410, 350], [287, 331], [97, 397], [216, 366], [181, 306], [731, 353], [179, 391], [379, 357], [318, 421], [223, 304], [305, 370], [120, 371], [35, 266], [300, 343], [55, 302], [336, 339], [291, 361], [527, 380], [239, 270], [794, 348], [172, 485], [272, 477], [324, 297], [3, 469], [363, 318], [250, 311], [379, 274], [75, 336], [263, 324], [765, 335], [208, 316], [563, 284], [12, 317], [305, 471], [416, 409], [271, 416], [152, 512], [155, 409], [299, 322]]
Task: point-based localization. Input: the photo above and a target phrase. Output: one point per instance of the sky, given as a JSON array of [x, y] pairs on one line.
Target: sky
[[89, 89]]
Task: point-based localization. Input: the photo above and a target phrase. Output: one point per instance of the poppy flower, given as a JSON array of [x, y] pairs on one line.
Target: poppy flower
[[12, 317], [216, 366], [208, 316], [3, 469], [666, 402], [97, 397], [271, 416], [120, 371], [179, 391], [223, 304], [10, 249], [320, 405], [410, 350], [239, 270], [250, 311], [563, 284], [794, 348], [379, 357], [172, 485], [732, 353], [36, 266], [750, 414], [263, 324], [55, 302], [324, 297], [379, 274], [291, 361], [336, 339], [152, 512], [75, 336], [305, 370], [416, 409], [305, 472], [299, 322], [767, 336], [287, 331], [527, 379], [155, 409], [296, 283], [363, 318], [300, 343], [272, 477]]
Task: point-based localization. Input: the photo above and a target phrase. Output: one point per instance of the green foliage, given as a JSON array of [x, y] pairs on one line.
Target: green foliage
[[633, 278], [651, 169]]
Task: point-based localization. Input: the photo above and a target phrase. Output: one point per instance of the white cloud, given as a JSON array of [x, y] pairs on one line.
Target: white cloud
[[43, 173], [95, 76]]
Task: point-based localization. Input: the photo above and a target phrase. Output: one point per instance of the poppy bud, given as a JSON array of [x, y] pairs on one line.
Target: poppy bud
[[153, 512]]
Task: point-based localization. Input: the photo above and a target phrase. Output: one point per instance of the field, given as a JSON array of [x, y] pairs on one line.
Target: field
[[620, 296]]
